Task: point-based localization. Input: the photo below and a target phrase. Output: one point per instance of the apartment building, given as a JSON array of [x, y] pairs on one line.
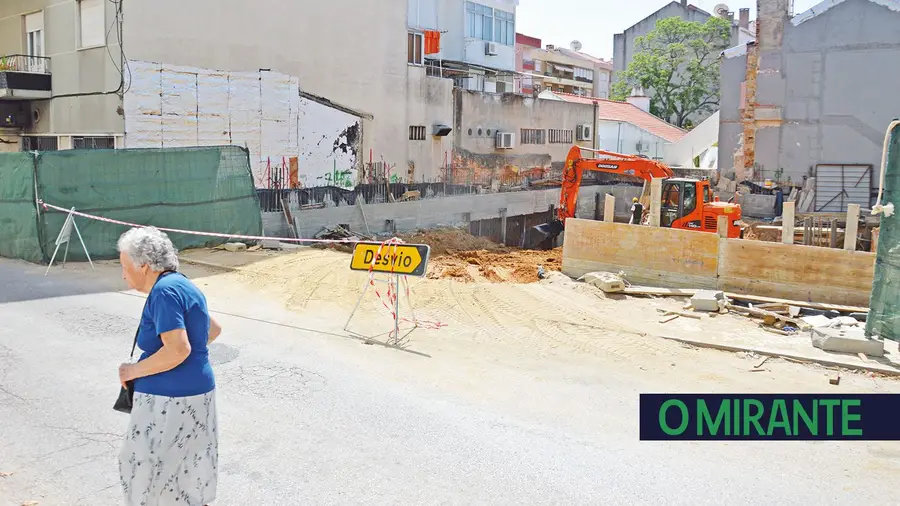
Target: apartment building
[[477, 41], [61, 75], [560, 69], [81, 73]]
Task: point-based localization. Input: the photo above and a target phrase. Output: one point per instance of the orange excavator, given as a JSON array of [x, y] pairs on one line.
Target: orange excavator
[[686, 204]]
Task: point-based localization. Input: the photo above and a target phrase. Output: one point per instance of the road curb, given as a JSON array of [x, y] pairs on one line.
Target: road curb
[[210, 265], [778, 354]]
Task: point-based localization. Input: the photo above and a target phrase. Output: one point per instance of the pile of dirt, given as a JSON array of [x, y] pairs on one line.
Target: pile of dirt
[[504, 266], [450, 240], [458, 255]]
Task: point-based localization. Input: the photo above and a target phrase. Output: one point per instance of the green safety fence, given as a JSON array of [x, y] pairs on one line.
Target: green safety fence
[[884, 304], [203, 189], [18, 218]]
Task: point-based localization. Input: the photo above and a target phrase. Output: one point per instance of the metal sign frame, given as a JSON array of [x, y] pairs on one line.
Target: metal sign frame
[[64, 237], [393, 281]]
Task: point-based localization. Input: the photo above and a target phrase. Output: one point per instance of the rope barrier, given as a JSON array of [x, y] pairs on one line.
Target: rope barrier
[[47, 206], [392, 292]]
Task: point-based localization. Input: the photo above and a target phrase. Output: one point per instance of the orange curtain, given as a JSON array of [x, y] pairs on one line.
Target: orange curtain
[[432, 42]]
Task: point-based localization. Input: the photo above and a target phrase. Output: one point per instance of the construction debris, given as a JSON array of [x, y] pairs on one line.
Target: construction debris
[[606, 281], [669, 318], [836, 380], [707, 300], [235, 246], [680, 313], [846, 339], [338, 233]]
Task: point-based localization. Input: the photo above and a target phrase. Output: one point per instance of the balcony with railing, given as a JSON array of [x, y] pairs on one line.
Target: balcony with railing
[[24, 77]]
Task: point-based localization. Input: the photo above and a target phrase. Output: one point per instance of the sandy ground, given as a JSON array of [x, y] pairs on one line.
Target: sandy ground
[[488, 305]]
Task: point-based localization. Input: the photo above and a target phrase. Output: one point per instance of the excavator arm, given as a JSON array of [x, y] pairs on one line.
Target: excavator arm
[[573, 170], [604, 161]]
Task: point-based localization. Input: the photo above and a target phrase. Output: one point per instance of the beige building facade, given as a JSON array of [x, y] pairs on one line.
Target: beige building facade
[[308, 45]]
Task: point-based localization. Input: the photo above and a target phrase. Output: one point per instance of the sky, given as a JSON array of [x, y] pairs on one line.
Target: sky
[[594, 22]]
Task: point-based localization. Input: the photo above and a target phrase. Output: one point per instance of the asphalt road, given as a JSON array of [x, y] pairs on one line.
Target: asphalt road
[[305, 419]]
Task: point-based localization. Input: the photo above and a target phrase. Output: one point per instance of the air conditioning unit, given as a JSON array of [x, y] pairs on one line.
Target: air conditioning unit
[[490, 49], [505, 140], [440, 130], [584, 132]]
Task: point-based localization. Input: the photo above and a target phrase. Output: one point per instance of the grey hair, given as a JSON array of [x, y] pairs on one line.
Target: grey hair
[[149, 246]]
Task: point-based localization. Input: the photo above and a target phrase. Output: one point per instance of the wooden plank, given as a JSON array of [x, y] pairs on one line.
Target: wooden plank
[[811, 305], [763, 313], [609, 208], [852, 224], [650, 290], [722, 226], [787, 220], [655, 201]]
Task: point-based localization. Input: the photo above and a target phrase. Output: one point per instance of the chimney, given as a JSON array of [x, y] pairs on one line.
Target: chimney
[[639, 99], [744, 18], [550, 47], [771, 16], [684, 3]]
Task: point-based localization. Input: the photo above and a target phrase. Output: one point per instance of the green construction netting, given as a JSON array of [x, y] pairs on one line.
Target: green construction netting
[[203, 189], [884, 305], [18, 219]]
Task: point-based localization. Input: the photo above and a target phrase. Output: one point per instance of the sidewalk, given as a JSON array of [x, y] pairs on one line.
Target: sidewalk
[[797, 347]]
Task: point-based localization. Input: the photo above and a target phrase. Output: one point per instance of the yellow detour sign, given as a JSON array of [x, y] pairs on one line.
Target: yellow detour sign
[[405, 259]]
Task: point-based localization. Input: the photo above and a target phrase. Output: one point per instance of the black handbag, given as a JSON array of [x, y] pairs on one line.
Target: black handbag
[[126, 394]]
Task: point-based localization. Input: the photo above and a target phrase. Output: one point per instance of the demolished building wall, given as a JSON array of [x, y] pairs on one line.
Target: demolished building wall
[[825, 88]]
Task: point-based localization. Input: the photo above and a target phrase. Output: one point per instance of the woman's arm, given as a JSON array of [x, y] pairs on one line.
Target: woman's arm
[[214, 330], [175, 349]]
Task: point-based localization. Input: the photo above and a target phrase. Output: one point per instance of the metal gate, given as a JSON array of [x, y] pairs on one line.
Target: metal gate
[[839, 185]]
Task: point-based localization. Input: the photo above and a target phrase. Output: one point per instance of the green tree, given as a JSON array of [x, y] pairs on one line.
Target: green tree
[[677, 66]]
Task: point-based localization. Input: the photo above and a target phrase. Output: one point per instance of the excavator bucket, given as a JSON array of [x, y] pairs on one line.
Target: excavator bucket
[[541, 236]]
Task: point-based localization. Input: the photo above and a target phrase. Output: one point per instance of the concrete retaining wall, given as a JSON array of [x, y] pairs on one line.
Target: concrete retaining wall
[[453, 211], [688, 259]]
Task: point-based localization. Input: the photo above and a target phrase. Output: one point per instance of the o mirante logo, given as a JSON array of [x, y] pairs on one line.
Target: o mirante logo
[[864, 417]]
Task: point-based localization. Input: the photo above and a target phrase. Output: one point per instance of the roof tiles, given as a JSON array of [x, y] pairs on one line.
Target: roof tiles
[[614, 110]]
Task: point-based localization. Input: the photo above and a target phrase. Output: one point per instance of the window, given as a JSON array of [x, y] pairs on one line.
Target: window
[[34, 33], [414, 45], [489, 24], [533, 136], [417, 133], [584, 75], [35, 143], [690, 199], [558, 136], [93, 142], [92, 23]]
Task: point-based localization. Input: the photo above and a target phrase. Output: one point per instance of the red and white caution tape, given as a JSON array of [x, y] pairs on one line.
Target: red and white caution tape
[[194, 232], [391, 294], [393, 291]]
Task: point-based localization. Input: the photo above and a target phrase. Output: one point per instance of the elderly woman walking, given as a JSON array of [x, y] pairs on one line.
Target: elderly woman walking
[[170, 455]]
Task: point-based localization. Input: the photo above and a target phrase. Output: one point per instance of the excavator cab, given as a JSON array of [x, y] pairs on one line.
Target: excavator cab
[[689, 204], [679, 200]]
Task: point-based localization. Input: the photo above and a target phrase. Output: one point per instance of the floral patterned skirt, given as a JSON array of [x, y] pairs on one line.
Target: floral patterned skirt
[[171, 451]]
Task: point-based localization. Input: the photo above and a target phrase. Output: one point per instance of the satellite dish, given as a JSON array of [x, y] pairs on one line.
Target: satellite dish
[[721, 10], [575, 45]]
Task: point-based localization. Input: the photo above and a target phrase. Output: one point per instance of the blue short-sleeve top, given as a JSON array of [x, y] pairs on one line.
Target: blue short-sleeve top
[[176, 303]]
